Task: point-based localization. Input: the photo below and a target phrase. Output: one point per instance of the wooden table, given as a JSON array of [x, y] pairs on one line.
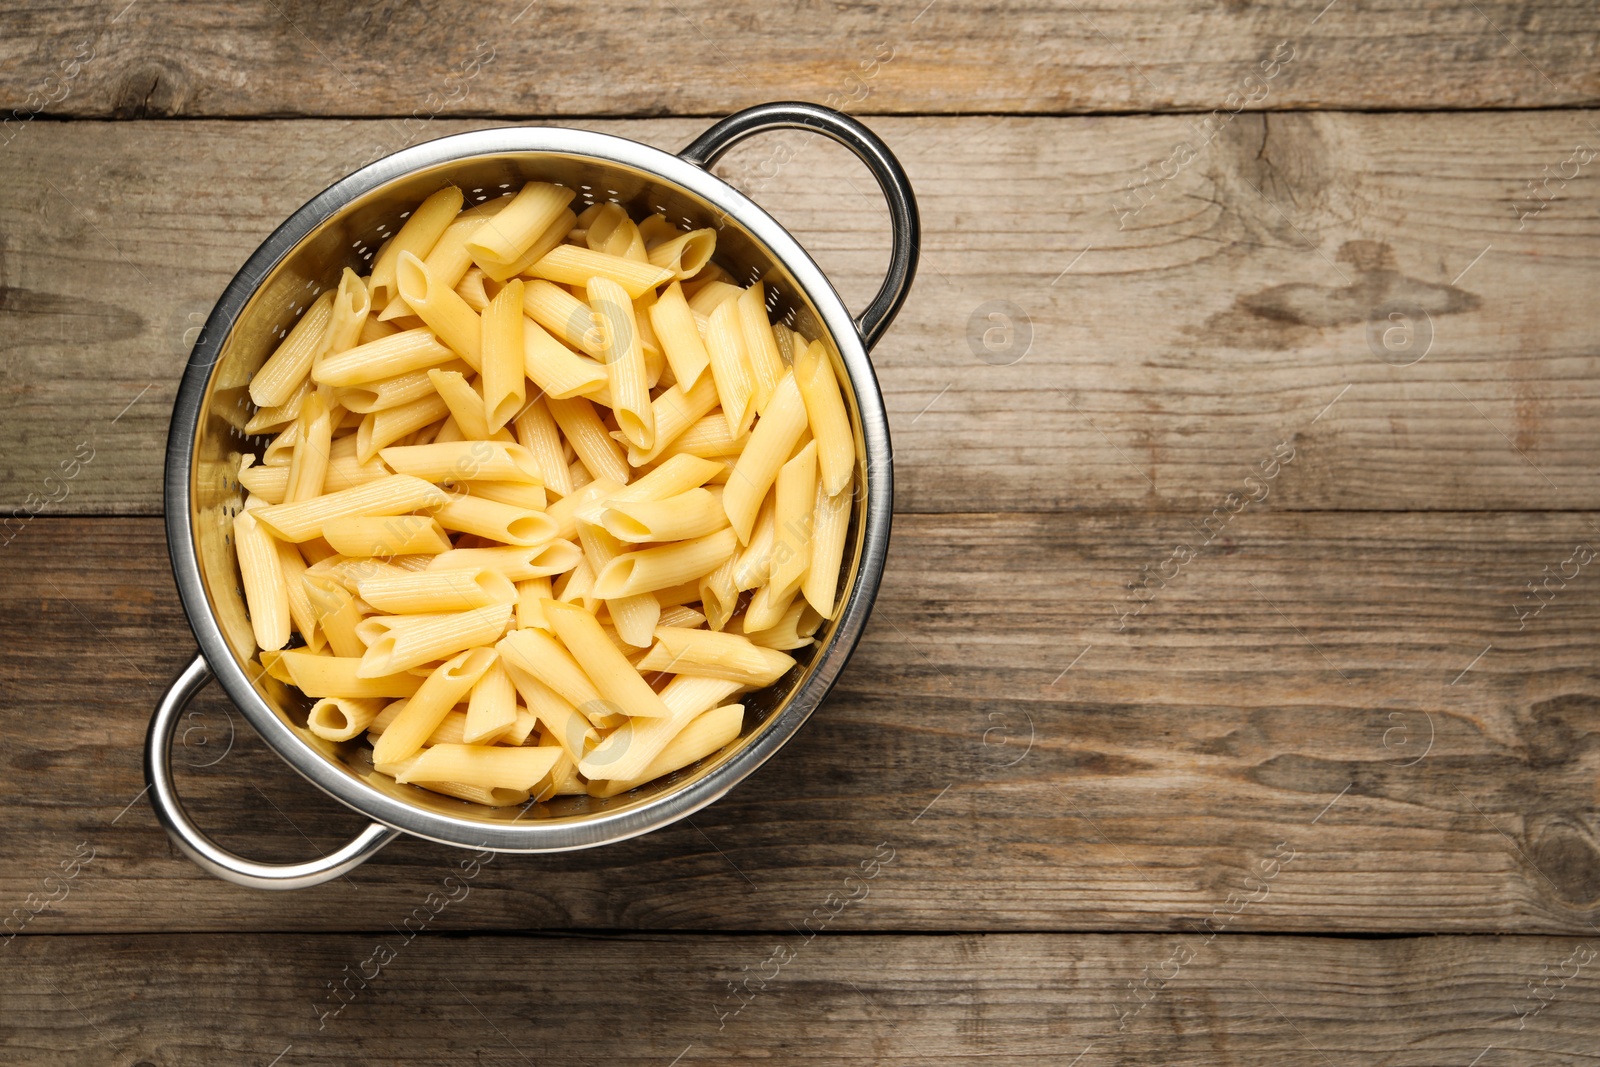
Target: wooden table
[[1232, 692]]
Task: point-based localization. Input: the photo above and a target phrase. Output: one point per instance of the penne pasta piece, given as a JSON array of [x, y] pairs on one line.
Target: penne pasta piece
[[556, 369], [484, 766], [435, 591], [342, 718], [706, 298], [685, 254], [339, 676], [352, 305], [793, 514], [611, 231], [518, 564], [550, 238], [392, 392], [504, 376], [505, 237], [465, 404], [719, 595], [767, 607], [680, 340], [565, 511], [428, 706], [770, 445], [396, 354], [574, 733], [571, 265], [470, 288], [760, 346], [627, 751], [539, 435], [541, 657], [730, 367], [829, 523], [309, 465], [495, 521], [825, 412], [448, 261], [417, 237], [393, 495], [464, 461], [517, 494], [792, 631], [635, 618], [290, 364], [336, 615], [623, 356], [677, 475], [529, 593], [650, 569], [708, 438], [492, 706], [675, 411], [602, 663], [392, 535], [301, 613], [715, 655], [681, 616], [706, 734], [569, 319], [383, 428], [445, 313], [600, 455], [755, 559], [690, 514], [406, 641], [261, 574]]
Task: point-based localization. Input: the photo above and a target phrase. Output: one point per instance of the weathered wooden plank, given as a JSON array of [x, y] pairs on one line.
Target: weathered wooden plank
[[1150, 364], [438, 57], [1105, 999], [1343, 700]]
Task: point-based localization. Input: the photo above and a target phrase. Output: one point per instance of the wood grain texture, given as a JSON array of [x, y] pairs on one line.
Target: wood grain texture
[[1237, 1001], [294, 57], [1141, 359], [1311, 694]]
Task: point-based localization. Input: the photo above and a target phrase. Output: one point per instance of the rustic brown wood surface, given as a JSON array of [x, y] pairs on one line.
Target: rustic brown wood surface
[[1126, 732], [206, 999], [633, 57], [1147, 360]]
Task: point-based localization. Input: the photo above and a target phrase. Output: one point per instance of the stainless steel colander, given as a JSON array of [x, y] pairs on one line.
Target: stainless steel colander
[[343, 226]]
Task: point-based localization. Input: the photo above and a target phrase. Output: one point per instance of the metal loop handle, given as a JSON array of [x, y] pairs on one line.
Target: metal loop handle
[[905, 224], [200, 848]]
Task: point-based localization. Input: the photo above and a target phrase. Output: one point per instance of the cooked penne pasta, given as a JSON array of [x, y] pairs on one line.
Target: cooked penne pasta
[[428, 706], [830, 424], [623, 356], [464, 461], [830, 522], [572, 265], [290, 363], [761, 347], [504, 376], [539, 496], [715, 655], [771, 441], [342, 718], [664, 566], [693, 513], [706, 733], [445, 313], [405, 641], [730, 367], [417, 237]]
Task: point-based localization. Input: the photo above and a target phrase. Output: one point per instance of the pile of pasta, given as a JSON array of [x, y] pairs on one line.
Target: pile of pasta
[[545, 492]]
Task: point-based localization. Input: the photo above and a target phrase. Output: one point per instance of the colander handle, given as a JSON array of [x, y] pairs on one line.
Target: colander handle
[[904, 222], [200, 848]]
